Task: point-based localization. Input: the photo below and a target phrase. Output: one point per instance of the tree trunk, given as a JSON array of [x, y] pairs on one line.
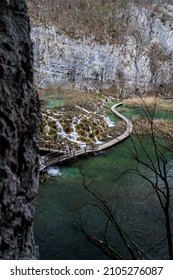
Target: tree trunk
[[19, 130], [169, 234]]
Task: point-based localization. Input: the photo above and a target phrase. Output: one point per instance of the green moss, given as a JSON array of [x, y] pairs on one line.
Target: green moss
[[42, 127], [102, 136], [92, 135], [43, 177], [89, 141], [51, 123], [87, 128], [63, 119], [82, 133], [81, 138], [68, 129], [78, 126], [94, 124], [52, 130], [97, 131]]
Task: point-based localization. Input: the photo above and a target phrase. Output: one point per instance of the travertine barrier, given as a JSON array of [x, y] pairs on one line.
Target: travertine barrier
[[55, 158]]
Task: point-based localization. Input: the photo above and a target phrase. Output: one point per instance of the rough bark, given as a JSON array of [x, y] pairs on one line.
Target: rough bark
[[19, 130]]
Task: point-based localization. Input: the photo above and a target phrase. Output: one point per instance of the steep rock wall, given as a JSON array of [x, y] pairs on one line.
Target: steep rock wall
[[137, 62], [19, 127]]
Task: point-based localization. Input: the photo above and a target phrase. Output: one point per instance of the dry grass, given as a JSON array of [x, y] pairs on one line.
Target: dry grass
[[159, 127], [137, 101], [150, 102]]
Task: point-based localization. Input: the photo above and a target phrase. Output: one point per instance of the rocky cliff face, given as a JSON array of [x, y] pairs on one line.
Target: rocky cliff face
[[135, 63], [19, 126]]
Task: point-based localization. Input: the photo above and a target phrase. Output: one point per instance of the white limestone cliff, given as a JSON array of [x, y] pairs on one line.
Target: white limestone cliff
[[139, 62]]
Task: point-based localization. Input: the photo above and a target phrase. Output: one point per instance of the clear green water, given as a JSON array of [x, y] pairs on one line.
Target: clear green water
[[113, 117], [138, 112], [63, 201], [53, 103]]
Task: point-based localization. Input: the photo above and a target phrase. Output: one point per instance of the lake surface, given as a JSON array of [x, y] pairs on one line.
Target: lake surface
[[63, 202], [53, 103]]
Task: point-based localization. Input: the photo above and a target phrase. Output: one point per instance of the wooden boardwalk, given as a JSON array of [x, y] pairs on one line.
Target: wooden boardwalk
[[60, 156]]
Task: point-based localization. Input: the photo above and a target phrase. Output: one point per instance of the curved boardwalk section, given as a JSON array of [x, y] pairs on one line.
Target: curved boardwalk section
[[123, 136], [55, 157]]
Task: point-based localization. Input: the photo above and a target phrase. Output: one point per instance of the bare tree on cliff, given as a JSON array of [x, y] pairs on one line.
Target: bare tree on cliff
[[156, 170]]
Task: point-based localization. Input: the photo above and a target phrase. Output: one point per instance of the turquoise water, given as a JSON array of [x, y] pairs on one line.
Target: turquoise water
[[139, 112], [54, 103], [63, 202], [51, 100]]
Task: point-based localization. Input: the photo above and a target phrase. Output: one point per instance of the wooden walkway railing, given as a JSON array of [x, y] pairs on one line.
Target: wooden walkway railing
[[60, 156], [56, 157]]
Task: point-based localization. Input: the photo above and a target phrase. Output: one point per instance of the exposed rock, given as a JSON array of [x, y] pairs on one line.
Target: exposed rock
[[140, 61], [19, 127]]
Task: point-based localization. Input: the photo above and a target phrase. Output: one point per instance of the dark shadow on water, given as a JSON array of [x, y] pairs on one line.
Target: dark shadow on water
[[59, 209]]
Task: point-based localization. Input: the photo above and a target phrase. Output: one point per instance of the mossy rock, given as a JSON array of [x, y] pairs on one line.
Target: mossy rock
[[51, 123], [44, 120], [63, 124], [63, 120], [81, 138], [94, 124], [52, 130], [42, 127], [89, 141], [57, 117], [97, 131], [102, 136], [82, 133], [84, 121], [52, 133], [80, 126], [68, 129], [101, 129], [87, 128], [92, 135], [69, 118], [103, 124], [51, 138], [43, 177]]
